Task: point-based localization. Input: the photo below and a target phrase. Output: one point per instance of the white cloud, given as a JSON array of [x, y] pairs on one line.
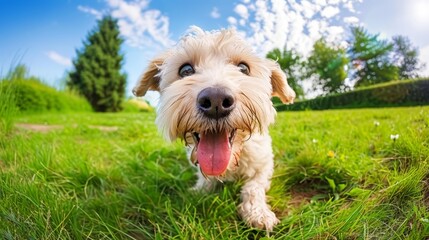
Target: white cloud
[[140, 26], [349, 5], [215, 13], [58, 58], [242, 11], [232, 21], [351, 20], [91, 11], [330, 11], [270, 24], [320, 2], [333, 2]]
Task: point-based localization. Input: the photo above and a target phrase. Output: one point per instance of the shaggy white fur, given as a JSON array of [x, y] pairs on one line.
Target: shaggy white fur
[[215, 95]]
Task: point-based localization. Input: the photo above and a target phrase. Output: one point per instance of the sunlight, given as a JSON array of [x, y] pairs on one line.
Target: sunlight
[[417, 9]]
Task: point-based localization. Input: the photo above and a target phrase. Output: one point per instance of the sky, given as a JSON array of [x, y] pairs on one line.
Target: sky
[[45, 34]]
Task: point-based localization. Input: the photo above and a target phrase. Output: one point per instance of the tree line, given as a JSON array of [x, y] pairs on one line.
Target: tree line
[[366, 60]]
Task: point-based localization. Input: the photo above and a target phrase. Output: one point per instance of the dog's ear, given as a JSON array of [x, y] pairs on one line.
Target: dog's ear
[[281, 88], [150, 79]]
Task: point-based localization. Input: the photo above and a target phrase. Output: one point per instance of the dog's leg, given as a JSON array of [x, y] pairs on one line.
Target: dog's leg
[[254, 209]]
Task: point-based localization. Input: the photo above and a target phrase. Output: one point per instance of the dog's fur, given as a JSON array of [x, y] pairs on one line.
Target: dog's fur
[[215, 57]]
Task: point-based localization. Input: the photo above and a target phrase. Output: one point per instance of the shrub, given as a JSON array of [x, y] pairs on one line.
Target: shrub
[[31, 95], [395, 93], [136, 105]]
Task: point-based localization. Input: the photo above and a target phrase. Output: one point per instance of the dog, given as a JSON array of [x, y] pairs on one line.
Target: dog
[[215, 95]]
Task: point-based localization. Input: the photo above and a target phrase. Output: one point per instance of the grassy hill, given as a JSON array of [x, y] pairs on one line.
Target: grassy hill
[[339, 174]]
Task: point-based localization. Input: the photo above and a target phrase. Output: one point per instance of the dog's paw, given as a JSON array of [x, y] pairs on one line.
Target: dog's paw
[[258, 216]]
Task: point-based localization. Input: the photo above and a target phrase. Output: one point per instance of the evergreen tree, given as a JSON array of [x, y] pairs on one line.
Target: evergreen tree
[[406, 58], [371, 58], [290, 62], [96, 73], [327, 66]]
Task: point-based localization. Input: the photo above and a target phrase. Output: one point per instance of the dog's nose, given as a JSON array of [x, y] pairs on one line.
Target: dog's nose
[[215, 102]]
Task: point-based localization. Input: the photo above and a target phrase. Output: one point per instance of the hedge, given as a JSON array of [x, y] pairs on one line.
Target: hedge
[[31, 95], [395, 93]]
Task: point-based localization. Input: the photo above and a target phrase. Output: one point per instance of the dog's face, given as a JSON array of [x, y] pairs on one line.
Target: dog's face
[[214, 93]]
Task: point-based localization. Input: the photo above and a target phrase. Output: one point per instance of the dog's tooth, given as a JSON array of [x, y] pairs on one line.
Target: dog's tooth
[[196, 137], [220, 180], [204, 175], [194, 158]]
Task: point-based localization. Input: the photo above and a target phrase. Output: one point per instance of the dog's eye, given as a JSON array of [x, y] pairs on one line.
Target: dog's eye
[[244, 68], [186, 70]]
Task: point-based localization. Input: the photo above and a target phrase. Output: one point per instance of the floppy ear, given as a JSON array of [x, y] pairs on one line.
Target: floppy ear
[[149, 80], [279, 84]]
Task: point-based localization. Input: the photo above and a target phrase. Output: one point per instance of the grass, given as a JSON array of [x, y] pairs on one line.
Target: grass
[[339, 175], [7, 107]]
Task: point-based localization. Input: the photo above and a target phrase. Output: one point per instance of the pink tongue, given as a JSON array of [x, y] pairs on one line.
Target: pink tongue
[[213, 153]]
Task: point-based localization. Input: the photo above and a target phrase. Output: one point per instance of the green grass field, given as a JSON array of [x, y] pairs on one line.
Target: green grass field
[[338, 175]]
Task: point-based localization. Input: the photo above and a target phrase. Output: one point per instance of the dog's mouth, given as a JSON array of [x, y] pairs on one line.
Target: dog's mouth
[[213, 151]]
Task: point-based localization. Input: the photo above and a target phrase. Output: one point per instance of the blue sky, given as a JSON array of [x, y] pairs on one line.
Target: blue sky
[[44, 34]]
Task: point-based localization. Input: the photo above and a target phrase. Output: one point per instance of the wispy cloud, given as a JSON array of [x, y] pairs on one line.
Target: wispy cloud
[[139, 25], [58, 58], [97, 14], [215, 13]]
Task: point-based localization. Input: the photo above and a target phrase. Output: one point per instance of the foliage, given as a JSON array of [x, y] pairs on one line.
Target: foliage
[[136, 105], [290, 62], [395, 93], [96, 73], [406, 58], [338, 175], [370, 57], [327, 67], [31, 95], [21, 92]]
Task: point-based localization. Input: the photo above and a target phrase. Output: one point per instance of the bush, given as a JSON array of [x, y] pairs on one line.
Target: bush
[[136, 105], [31, 95], [395, 93]]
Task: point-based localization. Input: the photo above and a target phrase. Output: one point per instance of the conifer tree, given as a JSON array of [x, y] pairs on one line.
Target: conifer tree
[[97, 69]]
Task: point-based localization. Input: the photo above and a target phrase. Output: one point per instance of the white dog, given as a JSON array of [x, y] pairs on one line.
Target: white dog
[[215, 94]]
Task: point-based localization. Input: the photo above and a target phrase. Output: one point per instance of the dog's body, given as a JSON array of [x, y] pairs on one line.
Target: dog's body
[[215, 95]]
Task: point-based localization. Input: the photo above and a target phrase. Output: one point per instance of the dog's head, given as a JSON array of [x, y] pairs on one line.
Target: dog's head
[[214, 93]]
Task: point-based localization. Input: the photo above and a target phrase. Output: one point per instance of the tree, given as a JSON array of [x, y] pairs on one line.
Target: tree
[[406, 58], [327, 66], [290, 62], [96, 73], [371, 58]]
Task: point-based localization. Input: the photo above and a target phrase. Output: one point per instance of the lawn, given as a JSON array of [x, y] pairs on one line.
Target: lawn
[[343, 174]]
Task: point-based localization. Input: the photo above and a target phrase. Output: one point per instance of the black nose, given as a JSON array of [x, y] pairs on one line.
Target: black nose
[[215, 102]]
